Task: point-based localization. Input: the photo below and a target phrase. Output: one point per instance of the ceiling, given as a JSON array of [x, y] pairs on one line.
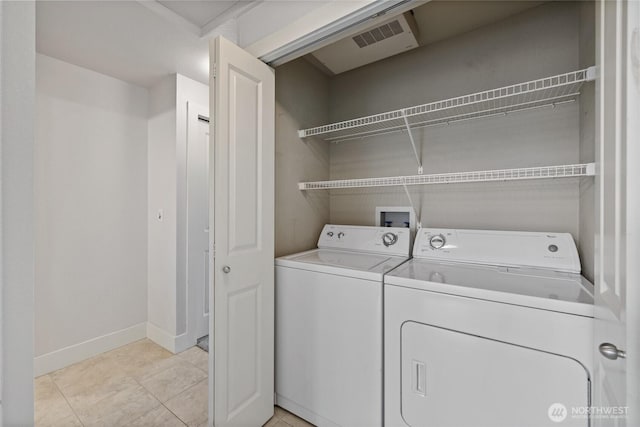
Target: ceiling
[[201, 13], [143, 41], [136, 41]]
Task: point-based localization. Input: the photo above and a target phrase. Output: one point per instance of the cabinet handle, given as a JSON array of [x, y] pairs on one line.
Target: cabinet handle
[[610, 351]]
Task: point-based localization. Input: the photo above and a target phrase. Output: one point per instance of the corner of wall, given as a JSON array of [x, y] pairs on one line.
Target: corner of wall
[[173, 343], [161, 209], [587, 208], [300, 215]]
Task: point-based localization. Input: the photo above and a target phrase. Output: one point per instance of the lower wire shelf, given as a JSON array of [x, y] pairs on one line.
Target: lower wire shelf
[[540, 172]]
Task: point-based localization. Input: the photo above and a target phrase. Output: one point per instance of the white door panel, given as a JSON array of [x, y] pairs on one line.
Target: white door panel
[[243, 152], [618, 186], [245, 148]]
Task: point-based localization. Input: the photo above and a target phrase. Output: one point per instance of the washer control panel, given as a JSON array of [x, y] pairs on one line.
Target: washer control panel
[[388, 240], [552, 251]]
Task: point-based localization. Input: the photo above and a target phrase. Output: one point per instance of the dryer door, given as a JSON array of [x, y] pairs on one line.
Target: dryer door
[[450, 378]]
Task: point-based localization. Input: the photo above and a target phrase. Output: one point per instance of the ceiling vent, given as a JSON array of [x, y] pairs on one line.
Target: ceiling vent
[[378, 34], [385, 39]]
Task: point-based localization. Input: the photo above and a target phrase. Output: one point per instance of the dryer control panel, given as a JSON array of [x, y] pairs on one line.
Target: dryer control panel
[[551, 251], [381, 240]]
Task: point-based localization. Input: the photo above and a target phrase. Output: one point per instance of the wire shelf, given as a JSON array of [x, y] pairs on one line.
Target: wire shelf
[[541, 172], [548, 91]]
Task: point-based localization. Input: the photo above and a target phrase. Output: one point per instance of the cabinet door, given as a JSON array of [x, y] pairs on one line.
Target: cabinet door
[[242, 207], [452, 379], [617, 272]]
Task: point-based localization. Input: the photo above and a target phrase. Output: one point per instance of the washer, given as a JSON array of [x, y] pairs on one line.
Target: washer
[[329, 325], [488, 328]]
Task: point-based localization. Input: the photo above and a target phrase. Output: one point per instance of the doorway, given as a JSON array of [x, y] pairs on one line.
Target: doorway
[[198, 223]]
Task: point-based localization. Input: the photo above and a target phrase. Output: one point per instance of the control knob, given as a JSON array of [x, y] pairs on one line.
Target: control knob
[[389, 239], [437, 242]]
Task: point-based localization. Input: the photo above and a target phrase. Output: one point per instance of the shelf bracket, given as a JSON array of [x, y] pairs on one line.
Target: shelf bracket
[[413, 208], [413, 142]]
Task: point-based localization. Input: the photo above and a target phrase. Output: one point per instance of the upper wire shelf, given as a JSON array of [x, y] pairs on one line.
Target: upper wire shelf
[[548, 91]]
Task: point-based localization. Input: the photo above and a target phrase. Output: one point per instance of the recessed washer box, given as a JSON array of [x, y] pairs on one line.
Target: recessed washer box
[[395, 216]]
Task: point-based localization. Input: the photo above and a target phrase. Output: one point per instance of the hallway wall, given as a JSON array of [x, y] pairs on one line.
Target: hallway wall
[[91, 204]]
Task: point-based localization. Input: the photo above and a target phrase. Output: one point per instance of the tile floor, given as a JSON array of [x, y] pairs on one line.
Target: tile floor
[[140, 384]]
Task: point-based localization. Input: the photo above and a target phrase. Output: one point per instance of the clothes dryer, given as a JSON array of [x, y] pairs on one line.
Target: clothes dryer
[[488, 328]]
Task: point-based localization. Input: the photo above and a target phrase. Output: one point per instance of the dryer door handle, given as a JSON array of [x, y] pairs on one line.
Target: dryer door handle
[[419, 377]]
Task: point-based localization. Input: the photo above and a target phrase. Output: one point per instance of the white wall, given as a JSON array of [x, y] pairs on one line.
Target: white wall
[[162, 196], [91, 204], [17, 87], [167, 304], [109, 156], [539, 42], [302, 99]]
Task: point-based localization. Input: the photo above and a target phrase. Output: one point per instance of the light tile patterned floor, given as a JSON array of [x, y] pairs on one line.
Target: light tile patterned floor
[[140, 384]]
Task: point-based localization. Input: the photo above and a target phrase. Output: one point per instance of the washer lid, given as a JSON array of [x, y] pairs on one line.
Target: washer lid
[[544, 289], [345, 263], [552, 251]]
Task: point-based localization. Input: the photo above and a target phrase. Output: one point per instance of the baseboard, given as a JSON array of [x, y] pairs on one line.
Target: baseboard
[[160, 337], [78, 352], [173, 343], [183, 342]]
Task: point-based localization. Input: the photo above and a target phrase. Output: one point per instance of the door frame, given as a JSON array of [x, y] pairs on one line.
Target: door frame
[[194, 112]]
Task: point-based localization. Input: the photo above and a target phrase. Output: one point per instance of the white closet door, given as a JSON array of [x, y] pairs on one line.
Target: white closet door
[[617, 276], [243, 105]]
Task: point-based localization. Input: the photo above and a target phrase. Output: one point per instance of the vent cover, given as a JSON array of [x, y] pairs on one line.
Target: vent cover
[[382, 39], [375, 35]]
